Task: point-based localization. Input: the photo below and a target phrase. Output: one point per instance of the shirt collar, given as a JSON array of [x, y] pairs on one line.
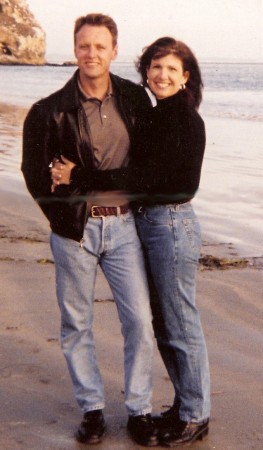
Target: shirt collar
[[85, 97]]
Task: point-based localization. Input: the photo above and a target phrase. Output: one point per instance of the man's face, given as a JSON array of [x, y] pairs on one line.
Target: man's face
[[94, 51]]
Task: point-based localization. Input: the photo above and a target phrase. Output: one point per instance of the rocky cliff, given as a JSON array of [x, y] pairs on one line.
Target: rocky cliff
[[22, 40]]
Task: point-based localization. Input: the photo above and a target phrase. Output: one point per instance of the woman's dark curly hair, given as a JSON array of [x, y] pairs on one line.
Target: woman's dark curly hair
[[169, 46]]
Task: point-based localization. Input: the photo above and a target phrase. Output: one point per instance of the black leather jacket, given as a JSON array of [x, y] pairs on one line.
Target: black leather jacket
[[57, 125]]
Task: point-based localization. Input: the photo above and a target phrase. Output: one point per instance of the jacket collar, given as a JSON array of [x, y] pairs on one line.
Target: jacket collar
[[70, 98], [69, 95]]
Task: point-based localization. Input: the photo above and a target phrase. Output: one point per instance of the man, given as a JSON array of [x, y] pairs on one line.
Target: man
[[83, 129]]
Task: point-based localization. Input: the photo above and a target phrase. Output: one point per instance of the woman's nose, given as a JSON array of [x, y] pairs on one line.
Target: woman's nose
[[163, 74]]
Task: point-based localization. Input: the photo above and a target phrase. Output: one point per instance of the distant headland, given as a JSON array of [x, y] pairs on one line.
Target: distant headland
[[22, 40]]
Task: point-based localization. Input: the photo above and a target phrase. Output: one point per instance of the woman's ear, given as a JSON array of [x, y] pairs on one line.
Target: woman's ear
[[186, 76]]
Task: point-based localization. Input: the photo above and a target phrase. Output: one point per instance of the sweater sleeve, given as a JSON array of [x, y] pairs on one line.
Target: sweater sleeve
[[169, 162], [185, 178], [171, 167]]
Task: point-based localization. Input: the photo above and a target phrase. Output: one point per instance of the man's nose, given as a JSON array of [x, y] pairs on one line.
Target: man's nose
[[91, 51]]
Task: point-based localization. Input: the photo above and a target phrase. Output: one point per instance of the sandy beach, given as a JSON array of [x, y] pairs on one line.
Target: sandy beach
[[38, 411]]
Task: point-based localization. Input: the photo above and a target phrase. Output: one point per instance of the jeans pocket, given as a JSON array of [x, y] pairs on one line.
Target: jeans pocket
[[193, 233], [157, 217], [147, 218]]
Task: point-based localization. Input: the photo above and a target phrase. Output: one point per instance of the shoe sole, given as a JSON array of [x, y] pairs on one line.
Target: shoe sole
[[144, 443], [202, 435], [91, 440]]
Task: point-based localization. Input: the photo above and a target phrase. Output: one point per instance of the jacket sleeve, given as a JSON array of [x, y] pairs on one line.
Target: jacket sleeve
[[41, 144], [35, 158]]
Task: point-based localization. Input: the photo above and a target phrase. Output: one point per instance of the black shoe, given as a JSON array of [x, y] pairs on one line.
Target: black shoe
[[92, 428], [142, 430], [167, 419], [185, 432]]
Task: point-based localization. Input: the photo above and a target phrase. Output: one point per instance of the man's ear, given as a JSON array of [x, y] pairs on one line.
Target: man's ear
[[115, 52]]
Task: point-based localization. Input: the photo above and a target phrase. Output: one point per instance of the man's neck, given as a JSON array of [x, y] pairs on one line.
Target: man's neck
[[97, 87]]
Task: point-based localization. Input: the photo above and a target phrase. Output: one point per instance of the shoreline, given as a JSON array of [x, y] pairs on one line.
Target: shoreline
[[64, 64], [209, 61]]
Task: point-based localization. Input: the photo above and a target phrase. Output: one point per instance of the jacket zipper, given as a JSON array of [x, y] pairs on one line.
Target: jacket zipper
[[80, 111]]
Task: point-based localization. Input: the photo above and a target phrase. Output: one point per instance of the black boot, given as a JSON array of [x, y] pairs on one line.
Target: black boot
[[183, 433], [92, 428], [142, 430], [167, 419]]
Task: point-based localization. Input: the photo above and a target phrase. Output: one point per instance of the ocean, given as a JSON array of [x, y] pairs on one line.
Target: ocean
[[230, 90], [229, 201]]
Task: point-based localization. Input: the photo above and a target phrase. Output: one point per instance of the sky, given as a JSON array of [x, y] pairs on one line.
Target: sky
[[214, 29]]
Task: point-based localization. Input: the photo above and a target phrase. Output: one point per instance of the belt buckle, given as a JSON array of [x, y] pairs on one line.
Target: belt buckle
[[93, 214]]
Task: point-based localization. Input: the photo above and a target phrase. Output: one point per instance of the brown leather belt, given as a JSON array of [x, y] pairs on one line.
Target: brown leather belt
[[103, 211]]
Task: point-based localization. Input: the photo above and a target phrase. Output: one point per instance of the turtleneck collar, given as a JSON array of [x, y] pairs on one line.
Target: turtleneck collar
[[172, 100]]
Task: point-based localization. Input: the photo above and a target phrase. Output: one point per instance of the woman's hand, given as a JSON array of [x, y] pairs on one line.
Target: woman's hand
[[61, 172]]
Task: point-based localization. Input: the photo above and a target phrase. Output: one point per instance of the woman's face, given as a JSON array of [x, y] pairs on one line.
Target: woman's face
[[165, 76]]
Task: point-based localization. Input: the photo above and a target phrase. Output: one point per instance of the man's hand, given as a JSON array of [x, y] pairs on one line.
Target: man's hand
[[61, 172]]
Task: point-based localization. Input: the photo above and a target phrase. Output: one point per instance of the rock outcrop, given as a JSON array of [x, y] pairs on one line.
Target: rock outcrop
[[22, 40]]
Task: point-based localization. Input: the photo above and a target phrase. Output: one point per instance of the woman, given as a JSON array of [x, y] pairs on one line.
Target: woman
[[167, 158]]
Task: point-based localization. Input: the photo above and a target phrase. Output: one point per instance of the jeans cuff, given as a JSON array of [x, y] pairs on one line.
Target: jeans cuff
[[141, 412]]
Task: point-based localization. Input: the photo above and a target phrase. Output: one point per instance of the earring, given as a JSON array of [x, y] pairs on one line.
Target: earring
[[182, 86]]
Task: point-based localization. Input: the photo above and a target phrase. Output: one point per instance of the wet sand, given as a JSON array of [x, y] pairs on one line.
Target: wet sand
[[38, 410]]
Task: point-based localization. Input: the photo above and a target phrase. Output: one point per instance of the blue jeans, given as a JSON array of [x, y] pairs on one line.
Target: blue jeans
[[113, 243], [171, 239]]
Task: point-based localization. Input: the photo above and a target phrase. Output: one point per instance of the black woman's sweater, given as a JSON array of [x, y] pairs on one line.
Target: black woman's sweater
[[166, 155]]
